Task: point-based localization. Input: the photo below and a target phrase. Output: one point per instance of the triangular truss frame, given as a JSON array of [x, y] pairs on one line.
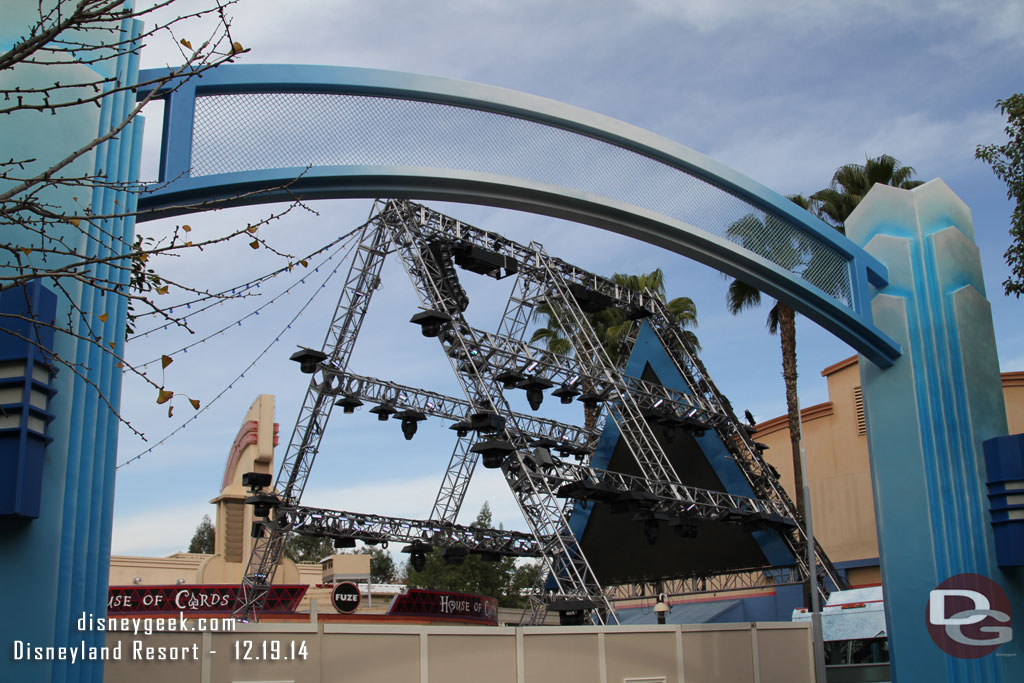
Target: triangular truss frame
[[524, 447]]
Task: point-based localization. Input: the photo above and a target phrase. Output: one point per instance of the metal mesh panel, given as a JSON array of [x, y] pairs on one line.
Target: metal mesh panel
[[245, 132]]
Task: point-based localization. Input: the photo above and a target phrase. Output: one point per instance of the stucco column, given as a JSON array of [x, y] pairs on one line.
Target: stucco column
[[927, 417]]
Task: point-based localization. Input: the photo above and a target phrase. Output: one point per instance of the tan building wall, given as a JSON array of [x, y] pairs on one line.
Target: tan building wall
[[838, 468], [252, 450], [774, 652]]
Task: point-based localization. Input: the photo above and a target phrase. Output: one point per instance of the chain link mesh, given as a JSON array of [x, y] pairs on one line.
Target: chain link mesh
[[245, 132]]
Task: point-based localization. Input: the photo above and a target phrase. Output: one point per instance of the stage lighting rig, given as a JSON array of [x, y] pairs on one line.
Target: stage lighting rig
[[493, 452], [535, 387], [262, 503], [308, 359], [454, 556], [592, 398], [590, 300], [484, 262], [565, 393], [431, 322], [417, 555], [572, 611], [486, 422], [685, 526], [383, 411], [349, 403], [510, 379], [410, 419], [255, 481], [461, 428]]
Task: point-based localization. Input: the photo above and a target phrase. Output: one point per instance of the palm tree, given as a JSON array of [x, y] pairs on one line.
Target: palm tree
[[851, 182], [612, 327], [781, 318]]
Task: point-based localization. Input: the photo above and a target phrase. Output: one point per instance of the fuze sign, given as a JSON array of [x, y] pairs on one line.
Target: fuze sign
[[969, 616]]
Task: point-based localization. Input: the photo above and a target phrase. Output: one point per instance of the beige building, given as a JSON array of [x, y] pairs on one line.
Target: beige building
[[252, 450], [838, 469]]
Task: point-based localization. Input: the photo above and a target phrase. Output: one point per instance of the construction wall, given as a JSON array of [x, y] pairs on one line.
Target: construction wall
[[768, 652]]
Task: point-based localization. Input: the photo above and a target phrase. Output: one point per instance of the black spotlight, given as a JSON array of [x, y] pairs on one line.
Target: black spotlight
[[308, 359], [572, 611], [431, 322], [652, 524], [256, 480], [409, 419], [454, 556], [344, 542], [383, 411], [594, 397], [493, 452], [535, 387], [257, 529], [349, 403], [461, 428], [510, 378], [262, 503], [565, 393], [417, 555], [486, 422], [685, 527]]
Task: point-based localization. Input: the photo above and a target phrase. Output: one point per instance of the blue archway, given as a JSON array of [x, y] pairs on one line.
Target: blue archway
[[266, 133]]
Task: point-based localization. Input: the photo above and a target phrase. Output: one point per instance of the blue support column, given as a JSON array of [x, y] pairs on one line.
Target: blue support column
[[927, 418], [56, 565]]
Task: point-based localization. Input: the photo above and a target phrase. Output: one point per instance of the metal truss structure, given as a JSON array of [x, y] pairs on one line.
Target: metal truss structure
[[544, 462]]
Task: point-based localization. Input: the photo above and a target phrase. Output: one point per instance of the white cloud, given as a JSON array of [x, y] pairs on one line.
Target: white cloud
[[159, 531]]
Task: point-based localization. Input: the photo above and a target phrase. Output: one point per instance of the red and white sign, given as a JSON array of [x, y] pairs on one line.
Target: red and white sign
[[205, 599], [969, 616], [416, 602]]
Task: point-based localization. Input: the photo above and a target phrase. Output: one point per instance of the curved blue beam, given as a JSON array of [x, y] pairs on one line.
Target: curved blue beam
[[254, 138]]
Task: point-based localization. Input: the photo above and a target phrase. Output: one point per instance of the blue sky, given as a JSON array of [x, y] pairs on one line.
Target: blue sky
[[783, 92]]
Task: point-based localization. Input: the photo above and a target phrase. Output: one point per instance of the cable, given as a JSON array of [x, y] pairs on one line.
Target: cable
[[220, 296], [256, 311], [241, 375]]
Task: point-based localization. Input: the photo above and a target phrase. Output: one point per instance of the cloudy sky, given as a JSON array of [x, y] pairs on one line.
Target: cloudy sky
[[783, 92]]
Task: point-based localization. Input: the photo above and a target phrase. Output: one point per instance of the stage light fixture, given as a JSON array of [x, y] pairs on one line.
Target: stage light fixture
[[257, 530], [417, 552], [341, 542], [572, 611], [652, 524], [262, 503], [565, 393], [594, 397], [509, 378], [308, 359], [590, 300], [256, 480], [349, 403], [461, 428], [409, 419], [635, 312], [493, 452], [486, 422], [383, 411], [454, 556], [535, 387], [685, 527], [484, 262], [431, 322]]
